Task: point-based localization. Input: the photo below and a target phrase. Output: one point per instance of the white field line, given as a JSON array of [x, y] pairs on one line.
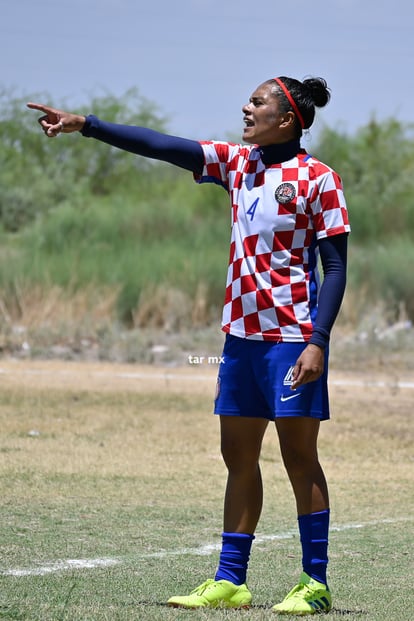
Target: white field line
[[196, 377], [204, 550], [50, 568]]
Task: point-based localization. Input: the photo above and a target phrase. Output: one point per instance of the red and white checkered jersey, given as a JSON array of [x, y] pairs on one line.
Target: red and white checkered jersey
[[279, 211]]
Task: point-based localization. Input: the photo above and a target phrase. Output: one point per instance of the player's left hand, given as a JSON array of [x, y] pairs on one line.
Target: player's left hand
[[309, 366]]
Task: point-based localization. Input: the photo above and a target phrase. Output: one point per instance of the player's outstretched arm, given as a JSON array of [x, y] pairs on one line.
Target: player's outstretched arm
[[55, 122], [182, 152]]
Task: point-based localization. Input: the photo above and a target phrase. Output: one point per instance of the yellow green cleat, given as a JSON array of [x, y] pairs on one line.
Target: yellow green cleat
[[306, 598], [214, 594]]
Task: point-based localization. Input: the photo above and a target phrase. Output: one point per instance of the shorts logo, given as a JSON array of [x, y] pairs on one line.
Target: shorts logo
[[283, 398], [288, 379], [285, 193]]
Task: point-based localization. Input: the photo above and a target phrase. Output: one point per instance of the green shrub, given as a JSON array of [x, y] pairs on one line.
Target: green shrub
[[382, 272]]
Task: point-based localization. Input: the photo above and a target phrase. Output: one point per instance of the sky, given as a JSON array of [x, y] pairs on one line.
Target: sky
[[200, 60]]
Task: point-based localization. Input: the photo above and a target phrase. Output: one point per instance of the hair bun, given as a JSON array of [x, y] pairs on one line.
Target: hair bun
[[319, 91]]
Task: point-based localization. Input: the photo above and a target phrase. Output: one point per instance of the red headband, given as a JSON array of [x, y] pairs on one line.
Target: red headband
[[292, 102]]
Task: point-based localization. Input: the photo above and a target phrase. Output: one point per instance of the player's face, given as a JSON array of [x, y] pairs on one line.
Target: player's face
[[262, 118]]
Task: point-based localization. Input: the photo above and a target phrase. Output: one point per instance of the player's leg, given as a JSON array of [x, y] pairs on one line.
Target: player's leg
[[298, 443], [241, 441], [238, 400], [298, 437], [244, 416]]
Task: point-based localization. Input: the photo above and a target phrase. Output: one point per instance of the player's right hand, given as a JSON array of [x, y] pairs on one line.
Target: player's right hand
[[55, 122]]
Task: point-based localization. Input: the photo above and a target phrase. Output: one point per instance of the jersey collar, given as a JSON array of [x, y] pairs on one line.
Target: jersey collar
[[277, 153]]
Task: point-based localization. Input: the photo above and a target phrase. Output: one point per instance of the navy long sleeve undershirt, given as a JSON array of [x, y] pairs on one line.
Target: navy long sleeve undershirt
[[181, 152], [333, 254], [188, 154]]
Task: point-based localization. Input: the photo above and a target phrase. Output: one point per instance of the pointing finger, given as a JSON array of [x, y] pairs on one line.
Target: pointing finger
[[41, 107]]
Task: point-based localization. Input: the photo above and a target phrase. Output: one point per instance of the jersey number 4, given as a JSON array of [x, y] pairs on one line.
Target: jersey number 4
[[252, 209]]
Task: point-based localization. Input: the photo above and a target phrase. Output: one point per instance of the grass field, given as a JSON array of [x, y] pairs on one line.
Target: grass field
[[111, 488]]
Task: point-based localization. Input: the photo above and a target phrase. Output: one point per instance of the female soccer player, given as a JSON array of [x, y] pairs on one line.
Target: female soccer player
[[287, 208]]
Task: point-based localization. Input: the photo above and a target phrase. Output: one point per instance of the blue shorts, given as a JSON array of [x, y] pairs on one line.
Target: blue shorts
[[254, 380]]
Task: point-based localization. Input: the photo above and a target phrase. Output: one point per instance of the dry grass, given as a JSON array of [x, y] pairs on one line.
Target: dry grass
[[36, 306]]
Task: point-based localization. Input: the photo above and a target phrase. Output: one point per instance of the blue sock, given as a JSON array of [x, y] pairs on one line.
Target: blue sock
[[314, 530], [234, 557]]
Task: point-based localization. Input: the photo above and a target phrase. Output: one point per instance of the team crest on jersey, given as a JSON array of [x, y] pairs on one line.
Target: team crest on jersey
[[285, 193]]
